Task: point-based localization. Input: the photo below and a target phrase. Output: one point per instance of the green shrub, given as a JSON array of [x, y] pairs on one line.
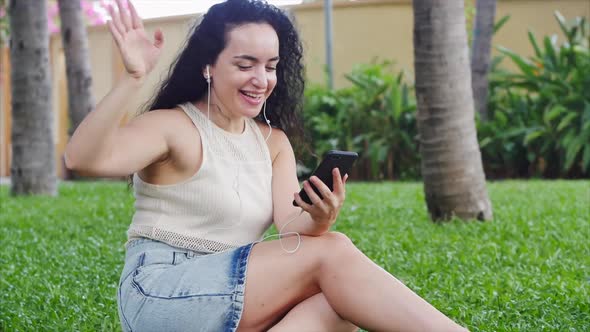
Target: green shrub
[[374, 117], [540, 115]]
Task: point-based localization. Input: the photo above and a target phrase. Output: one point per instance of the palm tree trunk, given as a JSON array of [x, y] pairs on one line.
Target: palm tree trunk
[[454, 181], [75, 42], [483, 31], [33, 169], [78, 71]]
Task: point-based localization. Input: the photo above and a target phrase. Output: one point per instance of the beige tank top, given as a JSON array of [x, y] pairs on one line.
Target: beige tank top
[[226, 204]]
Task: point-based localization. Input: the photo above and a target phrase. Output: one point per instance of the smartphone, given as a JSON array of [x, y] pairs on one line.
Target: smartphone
[[342, 160]]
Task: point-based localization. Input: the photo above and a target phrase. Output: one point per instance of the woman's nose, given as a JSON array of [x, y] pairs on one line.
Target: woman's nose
[[260, 78]]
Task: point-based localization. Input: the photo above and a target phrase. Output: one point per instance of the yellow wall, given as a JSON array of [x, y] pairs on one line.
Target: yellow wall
[[384, 29], [362, 31], [5, 120]]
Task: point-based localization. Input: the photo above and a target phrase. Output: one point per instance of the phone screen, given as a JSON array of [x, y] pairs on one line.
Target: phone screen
[[342, 160]]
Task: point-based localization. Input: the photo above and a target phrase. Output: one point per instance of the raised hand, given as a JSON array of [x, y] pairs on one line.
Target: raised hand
[[324, 210], [139, 53]]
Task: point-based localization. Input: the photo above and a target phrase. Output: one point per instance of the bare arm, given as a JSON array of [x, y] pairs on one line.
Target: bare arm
[[99, 146]]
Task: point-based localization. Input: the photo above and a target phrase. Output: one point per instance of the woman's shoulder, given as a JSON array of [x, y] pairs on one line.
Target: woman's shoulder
[[278, 136], [167, 113], [165, 118], [277, 142], [173, 124]]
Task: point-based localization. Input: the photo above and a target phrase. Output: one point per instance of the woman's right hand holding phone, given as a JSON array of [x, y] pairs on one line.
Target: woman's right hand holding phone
[[139, 53]]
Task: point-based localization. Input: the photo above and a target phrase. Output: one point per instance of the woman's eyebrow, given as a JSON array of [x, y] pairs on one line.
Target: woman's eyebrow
[[254, 59]]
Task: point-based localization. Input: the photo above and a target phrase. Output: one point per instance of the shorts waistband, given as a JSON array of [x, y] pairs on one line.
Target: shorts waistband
[[136, 246]]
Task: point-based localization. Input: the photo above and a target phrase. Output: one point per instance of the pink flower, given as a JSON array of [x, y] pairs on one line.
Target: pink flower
[[93, 16], [85, 4], [98, 21], [89, 12], [88, 9], [2, 12], [52, 28], [52, 10]]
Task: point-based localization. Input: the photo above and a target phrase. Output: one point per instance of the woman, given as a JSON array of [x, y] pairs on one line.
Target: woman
[[209, 180]]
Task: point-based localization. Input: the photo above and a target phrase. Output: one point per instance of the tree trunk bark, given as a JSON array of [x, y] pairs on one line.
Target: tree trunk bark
[[78, 71], [75, 43], [454, 181], [33, 169], [483, 31]]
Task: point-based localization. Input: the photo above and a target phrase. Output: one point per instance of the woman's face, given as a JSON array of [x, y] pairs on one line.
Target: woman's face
[[245, 72]]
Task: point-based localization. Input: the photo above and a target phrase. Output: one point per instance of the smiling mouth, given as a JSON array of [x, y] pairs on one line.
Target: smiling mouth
[[251, 95]]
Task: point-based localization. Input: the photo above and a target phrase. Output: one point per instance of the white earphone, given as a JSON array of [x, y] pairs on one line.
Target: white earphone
[[267, 121], [208, 75]]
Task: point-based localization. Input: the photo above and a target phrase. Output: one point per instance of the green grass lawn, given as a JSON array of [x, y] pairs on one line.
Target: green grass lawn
[[528, 270]]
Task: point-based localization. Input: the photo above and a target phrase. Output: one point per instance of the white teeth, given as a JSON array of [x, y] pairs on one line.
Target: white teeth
[[251, 95]]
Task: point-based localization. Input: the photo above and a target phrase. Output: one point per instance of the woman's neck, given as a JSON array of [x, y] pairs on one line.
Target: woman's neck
[[223, 118]]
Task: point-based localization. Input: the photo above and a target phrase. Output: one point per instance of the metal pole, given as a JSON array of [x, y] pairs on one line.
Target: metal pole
[[329, 40]]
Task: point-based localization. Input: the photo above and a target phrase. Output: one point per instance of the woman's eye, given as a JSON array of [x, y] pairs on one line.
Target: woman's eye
[[271, 68], [244, 67]]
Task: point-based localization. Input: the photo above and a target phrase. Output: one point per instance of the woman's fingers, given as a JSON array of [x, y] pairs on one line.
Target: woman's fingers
[[313, 197], [302, 204], [123, 12], [329, 203], [115, 32], [321, 186], [136, 21], [339, 189], [116, 19]]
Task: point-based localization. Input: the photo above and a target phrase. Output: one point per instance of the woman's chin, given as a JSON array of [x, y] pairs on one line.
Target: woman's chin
[[250, 111]]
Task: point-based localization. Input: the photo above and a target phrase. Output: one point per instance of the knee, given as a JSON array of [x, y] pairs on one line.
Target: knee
[[337, 238], [337, 245]]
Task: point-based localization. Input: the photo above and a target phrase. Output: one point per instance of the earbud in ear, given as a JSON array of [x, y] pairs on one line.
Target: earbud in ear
[[207, 74]]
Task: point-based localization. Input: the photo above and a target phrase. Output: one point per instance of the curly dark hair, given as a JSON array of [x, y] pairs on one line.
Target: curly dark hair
[[185, 82]]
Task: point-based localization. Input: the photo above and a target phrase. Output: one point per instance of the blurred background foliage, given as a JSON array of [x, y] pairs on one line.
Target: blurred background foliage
[[539, 123]]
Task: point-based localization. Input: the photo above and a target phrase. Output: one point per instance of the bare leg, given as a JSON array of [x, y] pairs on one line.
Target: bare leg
[[357, 289], [313, 315]]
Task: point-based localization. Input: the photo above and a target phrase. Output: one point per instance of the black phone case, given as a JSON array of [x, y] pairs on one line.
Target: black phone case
[[342, 160]]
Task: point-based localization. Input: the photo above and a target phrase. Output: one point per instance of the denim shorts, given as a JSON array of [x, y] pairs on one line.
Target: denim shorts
[[164, 288]]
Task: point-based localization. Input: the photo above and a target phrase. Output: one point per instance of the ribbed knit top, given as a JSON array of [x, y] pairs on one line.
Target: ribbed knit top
[[226, 204]]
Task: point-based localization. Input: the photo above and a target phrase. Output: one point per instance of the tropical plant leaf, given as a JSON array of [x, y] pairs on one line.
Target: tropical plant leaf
[[534, 43], [561, 21], [530, 137], [524, 64], [515, 132], [498, 25], [566, 121], [484, 142], [550, 52], [501, 118], [553, 113], [571, 153]]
